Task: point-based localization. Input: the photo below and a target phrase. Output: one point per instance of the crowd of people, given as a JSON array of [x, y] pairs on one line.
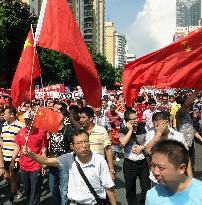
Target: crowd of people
[[155, 137]]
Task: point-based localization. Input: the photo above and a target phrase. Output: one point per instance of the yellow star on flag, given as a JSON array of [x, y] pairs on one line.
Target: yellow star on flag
[[188, 49], [27, 43], [40, 113]]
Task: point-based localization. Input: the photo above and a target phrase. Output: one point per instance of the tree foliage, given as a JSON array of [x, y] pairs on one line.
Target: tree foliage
[[15, 21]]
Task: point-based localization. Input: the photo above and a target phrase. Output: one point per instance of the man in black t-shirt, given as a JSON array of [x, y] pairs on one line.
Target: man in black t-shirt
[[132, 137], [59, 145]]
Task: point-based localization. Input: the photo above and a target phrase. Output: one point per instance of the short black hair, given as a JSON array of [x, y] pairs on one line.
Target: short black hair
[[127, 113], [75, 132], [151, 101], [88, 111], [12, 110], [63, 105], [175, 151], [75, 108], [180, 99], [160, 116]]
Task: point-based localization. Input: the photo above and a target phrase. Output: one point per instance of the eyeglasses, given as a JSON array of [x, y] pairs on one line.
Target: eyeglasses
[[132, 119], [80, 143]]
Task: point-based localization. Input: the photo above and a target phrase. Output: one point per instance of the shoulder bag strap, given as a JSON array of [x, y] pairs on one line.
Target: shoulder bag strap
[[93, 192]]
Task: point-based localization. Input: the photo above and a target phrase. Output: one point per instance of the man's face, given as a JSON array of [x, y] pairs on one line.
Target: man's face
[[1, 116], [50, 105], [133, 119], [97, 110], [152, 107], [164, 171], [7, 115], [104, 103], [85, 120], [56, 107], [157, 123], [172, 99], [165, 100], [81, 145]]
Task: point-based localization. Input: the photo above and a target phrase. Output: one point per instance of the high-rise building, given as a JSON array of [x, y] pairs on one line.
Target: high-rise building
[[183, 31], [110, 42], [188, 12], [35, 6], [77, 8], [130, 57], [93, 23], [102, 25], [120, 49]]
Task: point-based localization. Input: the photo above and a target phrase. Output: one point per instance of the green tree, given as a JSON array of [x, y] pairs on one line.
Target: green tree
[[56, 68], [118, 74], [15, 21]]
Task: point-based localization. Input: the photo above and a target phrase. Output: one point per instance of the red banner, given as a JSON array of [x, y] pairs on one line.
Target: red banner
[[4, 91], [52, 91]]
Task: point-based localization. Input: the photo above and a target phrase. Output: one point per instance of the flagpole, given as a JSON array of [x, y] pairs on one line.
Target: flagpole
[[42, 86], [31, 126], [31, 83], [33, 59]]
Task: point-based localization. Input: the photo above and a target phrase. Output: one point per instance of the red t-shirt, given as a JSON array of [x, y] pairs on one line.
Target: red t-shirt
[[36, 141]]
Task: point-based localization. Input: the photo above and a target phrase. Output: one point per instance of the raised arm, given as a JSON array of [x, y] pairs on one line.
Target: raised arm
[[189, 101], [43, 160]]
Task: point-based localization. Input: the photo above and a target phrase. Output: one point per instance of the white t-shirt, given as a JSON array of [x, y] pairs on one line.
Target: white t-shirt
[[96, 171]]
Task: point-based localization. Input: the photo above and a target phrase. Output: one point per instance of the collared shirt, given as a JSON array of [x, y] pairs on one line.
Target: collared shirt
[[96, 171], [103, 121], [99, 139], [173, 135], [8, 135], [147, 116], [138, 136]]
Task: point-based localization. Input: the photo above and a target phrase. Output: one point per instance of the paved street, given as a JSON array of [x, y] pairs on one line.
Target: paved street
[[120, 191]]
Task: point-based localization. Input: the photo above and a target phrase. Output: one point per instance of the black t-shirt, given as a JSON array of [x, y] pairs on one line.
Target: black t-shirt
[[59, 143]]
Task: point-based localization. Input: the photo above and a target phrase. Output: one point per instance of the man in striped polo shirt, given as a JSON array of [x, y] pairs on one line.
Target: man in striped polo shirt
[[9, 131], [99, 139]]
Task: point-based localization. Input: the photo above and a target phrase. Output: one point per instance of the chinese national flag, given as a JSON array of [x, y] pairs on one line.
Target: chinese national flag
[[179, 65], [47, 120], [57, 30], [20, 88]]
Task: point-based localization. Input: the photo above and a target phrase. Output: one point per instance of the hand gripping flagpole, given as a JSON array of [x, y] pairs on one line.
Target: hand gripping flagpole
[[31, 126]]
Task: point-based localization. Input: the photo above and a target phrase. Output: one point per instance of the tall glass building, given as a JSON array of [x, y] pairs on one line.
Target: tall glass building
[[188, 12]]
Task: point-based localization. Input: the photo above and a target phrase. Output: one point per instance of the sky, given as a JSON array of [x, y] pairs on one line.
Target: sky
[[147, 24]]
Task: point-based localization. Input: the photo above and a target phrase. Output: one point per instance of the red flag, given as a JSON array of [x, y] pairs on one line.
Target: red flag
[[20, 88], [59, 31], [47, 120], [179, 65]]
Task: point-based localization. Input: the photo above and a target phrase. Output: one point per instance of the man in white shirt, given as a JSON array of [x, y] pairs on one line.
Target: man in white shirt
[[162, 131], [93, 165], [148, 113]]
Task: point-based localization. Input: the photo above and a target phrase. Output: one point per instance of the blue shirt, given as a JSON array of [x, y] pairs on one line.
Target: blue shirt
[[160, 195]]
